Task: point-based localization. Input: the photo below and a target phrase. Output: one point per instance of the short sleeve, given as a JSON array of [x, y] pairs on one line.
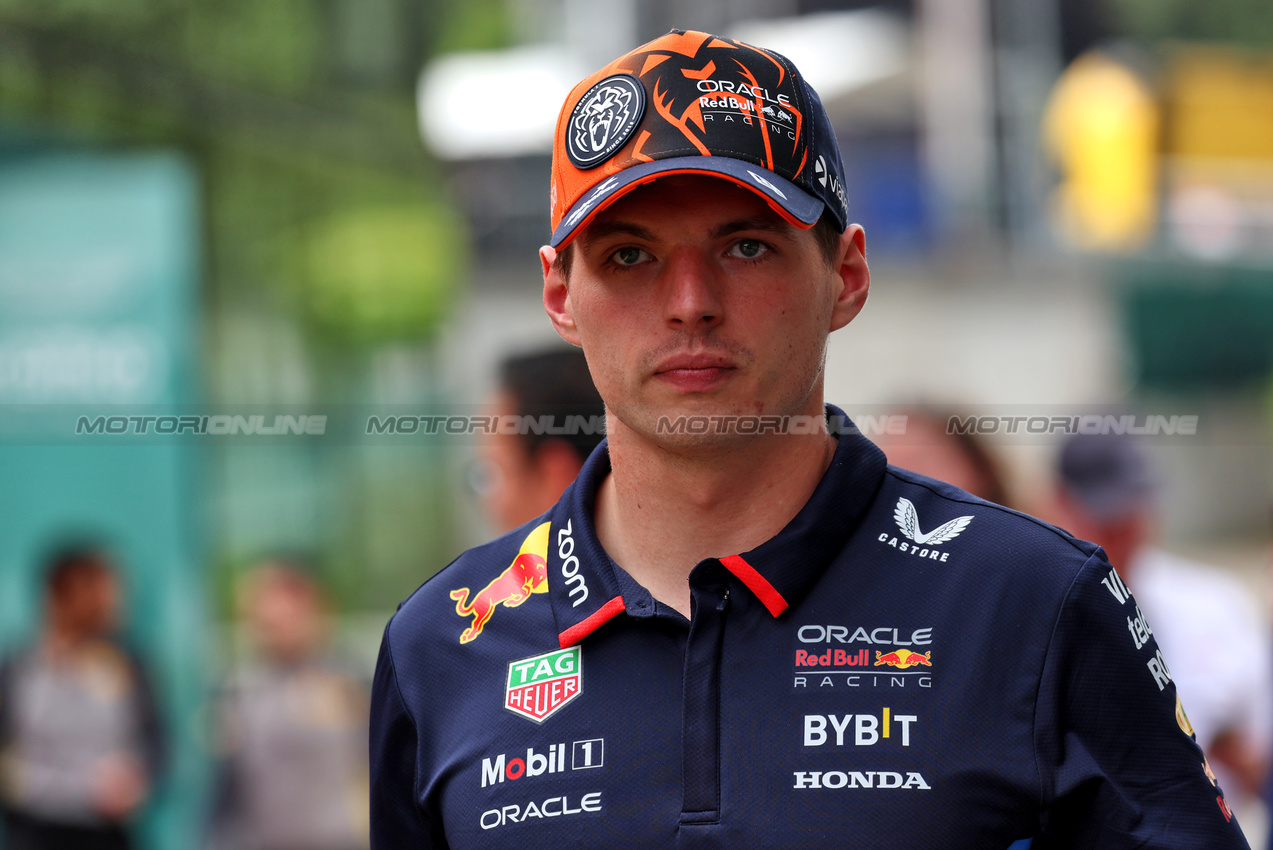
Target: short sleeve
[[1118, 764], [396, 817]]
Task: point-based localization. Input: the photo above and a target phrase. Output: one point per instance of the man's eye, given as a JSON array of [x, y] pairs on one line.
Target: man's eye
[[629, 256], [749, 249]]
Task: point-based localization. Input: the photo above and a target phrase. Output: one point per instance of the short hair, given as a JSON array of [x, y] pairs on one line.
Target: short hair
[[292, 571], [970, 445], [974, 448], [65, 562], [1109, 475], [826, 233], [555, 383]]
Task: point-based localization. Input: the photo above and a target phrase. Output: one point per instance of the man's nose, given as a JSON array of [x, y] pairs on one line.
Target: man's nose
[[693, 292]]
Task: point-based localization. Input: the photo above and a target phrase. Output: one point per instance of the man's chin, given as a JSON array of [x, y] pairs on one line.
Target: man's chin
[[700, 426]]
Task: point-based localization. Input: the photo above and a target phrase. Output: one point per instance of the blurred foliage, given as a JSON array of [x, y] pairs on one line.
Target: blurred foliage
[[273, 45], [475, 25], [384, 273], [1244, 22], [301, 114], [276, 42], [323, 212]]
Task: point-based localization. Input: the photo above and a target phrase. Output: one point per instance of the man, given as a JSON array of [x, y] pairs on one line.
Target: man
[[80, 740], [1107, 491], [522, 474], [737, 629], [293, 725]]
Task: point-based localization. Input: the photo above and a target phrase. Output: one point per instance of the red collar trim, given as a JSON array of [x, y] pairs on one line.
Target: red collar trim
[[594, 621], [756, 583]]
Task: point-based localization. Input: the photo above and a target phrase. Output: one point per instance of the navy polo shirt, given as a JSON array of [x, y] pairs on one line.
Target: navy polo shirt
[[903, 665]]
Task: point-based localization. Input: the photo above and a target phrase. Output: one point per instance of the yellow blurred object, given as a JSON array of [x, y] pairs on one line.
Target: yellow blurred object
[[1218, 172], [1101, 124], [1221, 104]]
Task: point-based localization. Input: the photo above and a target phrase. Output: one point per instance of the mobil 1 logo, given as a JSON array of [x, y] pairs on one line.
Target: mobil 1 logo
[[546, 761]]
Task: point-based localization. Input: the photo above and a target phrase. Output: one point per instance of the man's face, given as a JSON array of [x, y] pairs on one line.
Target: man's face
[[286, 616], [690, 296], [90, 601], [926, 448], [1121, 537]]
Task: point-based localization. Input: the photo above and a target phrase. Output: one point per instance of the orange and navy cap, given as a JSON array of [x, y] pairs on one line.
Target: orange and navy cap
[[694, 103]]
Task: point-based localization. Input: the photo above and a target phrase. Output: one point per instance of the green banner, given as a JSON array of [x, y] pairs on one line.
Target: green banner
[[99, 269]]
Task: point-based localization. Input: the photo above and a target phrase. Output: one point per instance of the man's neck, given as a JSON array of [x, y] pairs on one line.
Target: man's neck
[[660, 512], [63, 639]]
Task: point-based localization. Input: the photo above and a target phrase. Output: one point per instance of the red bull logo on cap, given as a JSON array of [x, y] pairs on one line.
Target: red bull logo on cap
[[539, 686], [903, 658], [527, 575]]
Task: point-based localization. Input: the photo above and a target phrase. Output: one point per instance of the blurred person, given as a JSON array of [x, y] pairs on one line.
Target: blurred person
[[740, 627], [1206, 623], [929, 446], [521, 475], [81, 746], [294, 727]]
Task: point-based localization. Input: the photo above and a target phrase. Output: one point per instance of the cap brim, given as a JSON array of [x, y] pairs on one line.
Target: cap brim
[[787, 199]]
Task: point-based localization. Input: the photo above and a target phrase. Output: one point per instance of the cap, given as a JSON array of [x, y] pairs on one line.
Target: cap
[[1107, 474], [693, 103]]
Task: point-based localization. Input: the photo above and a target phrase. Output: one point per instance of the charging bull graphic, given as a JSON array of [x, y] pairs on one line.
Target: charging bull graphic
[[903, 658], [526, 575]]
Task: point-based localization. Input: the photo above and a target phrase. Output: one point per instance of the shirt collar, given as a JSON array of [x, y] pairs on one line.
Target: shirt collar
[[587, 589]]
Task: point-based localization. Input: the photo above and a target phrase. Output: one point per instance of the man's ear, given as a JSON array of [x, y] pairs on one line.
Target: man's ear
[[557, 297], [556, 465], [854, 277]]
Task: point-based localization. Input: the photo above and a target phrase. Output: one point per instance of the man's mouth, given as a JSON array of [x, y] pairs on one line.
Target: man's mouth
[[695, 372]]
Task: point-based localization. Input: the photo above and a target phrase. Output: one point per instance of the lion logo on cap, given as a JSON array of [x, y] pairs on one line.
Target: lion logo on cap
[[604, 119]]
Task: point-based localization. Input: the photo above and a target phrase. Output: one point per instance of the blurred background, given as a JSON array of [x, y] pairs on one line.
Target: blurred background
[[329, 210]]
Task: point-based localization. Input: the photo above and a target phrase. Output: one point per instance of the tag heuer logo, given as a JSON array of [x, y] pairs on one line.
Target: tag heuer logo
[[907, 520], [540, 685]]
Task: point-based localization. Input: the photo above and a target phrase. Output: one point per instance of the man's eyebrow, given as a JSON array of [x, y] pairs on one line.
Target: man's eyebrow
[[601, 229], [770, 223]]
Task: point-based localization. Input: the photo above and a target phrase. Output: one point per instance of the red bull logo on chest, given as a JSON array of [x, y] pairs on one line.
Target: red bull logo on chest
[[903, 658], [528, 574], [540, 686]]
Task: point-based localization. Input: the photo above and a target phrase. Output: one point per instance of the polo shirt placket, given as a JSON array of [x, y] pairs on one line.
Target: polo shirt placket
[[794, 558]]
